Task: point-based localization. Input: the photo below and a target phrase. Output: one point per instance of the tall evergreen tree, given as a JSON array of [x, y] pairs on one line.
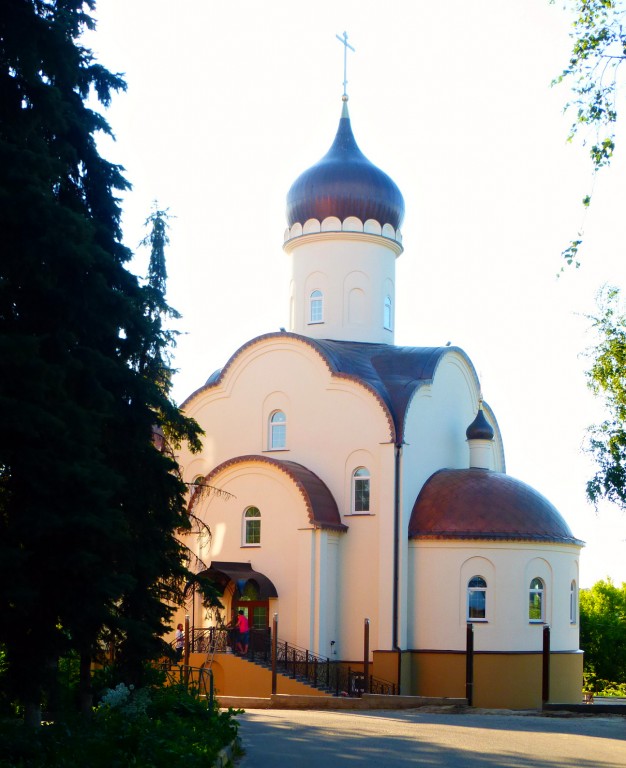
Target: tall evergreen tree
[[82, 489], [158, 570]]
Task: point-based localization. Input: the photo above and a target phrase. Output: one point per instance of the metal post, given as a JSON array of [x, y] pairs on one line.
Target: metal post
[[186, 651], [211, 691], [469, 664], [274, 651], [366, 656], [545, 671]]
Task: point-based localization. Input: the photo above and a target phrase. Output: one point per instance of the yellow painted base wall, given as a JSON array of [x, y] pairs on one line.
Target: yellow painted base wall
[[501, 680], [233, 676]]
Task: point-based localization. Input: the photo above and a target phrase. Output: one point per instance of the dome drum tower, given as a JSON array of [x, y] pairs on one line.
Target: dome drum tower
[[343, 238]]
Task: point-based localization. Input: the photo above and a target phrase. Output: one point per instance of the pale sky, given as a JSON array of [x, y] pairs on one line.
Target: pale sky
[[228, 102]]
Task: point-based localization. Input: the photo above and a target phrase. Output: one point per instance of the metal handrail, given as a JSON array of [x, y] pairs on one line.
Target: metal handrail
[[300, 663], [200, 678]]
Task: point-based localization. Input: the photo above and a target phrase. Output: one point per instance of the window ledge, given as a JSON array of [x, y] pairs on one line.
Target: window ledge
[[274, 450], [536, 621], [248, 546], [315, 322], [477, 621], [359, 514]]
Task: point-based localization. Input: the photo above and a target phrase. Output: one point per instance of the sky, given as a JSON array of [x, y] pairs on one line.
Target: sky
[[228, 102]]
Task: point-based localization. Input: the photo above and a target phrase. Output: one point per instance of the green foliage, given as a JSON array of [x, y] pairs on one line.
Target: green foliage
[[603, 634], [593, 73], [89, 508], [607, 379], [151, 727]]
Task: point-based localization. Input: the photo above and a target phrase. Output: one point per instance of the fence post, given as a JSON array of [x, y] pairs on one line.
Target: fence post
[[274, 651], [469, 664], [545, 670], [366, 656]]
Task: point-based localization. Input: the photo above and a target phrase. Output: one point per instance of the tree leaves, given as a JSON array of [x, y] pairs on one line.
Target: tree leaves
[[594, 75], [607, 379], [603, 631]]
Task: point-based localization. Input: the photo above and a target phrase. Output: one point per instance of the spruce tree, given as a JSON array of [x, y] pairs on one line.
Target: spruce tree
[[83, 492]]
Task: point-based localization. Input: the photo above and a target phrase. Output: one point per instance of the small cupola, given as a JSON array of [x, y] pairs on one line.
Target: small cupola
[[480, 436]]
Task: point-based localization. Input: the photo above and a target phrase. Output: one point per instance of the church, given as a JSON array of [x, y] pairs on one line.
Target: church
[[363, 480]]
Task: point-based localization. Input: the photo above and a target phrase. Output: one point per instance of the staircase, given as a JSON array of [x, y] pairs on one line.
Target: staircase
[[296, 667]]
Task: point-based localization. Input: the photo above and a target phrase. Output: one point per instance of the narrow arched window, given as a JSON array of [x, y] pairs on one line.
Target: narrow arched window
[[536, 601], [477, 599], [387, 313], [252, 526], [277, 431], [316, 307], [361, 490], [573, 603]]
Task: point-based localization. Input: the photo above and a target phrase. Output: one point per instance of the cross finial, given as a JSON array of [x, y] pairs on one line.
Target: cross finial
[[344, 41]]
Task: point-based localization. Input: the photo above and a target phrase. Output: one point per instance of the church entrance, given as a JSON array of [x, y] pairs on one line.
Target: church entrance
[[250, 592], [256, 611]]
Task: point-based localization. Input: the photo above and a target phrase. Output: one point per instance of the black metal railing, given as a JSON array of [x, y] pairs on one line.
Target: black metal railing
[[211, 640], [319, 671], [198, 678]]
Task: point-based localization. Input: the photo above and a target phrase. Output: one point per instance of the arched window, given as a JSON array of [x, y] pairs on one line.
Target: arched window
[[387, 313], [252, 526], [316, 307], [477, 599], [573, 603], [536, 601], [278, 431], [360, 490]]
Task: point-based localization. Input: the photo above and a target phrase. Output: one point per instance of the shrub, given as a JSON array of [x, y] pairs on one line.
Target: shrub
[[146, 728]]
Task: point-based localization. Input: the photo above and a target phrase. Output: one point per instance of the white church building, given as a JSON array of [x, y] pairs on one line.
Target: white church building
[[368, 480]]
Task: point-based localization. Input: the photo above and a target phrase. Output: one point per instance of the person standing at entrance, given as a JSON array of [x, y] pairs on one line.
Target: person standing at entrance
[[244, 633], [180, 642]]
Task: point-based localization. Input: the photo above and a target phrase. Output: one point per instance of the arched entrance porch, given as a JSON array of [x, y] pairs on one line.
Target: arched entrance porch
[[240, 588]]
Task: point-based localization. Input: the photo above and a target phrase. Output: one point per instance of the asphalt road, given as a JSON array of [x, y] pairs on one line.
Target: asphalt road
[[386, 739]]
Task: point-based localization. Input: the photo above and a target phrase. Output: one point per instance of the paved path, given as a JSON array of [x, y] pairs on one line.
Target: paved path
[[386, 739]]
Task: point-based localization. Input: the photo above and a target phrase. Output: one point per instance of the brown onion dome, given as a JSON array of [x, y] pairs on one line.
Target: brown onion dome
[[345, 183], [480, 428], [482, 504]]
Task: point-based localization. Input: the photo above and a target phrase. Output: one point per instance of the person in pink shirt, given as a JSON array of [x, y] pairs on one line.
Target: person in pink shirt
[[244, 633]]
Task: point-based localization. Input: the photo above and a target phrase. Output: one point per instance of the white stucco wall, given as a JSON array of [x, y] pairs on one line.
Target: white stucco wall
[[327, 582], [355, 271], [436, 421], [439, 572]]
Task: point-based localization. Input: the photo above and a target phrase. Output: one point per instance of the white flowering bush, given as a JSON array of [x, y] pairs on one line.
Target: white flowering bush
[[130, 702]]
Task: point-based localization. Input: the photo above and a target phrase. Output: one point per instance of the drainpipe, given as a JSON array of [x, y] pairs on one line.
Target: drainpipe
[[396, 556]]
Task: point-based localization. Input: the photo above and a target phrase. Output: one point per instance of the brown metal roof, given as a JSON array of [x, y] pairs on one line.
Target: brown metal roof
[[320, 503], [222, 573], [393, 374], [481, 504]]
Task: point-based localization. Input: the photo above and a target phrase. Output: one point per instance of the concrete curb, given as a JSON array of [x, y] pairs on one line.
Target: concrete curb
[[367, 702], [225, 755]]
